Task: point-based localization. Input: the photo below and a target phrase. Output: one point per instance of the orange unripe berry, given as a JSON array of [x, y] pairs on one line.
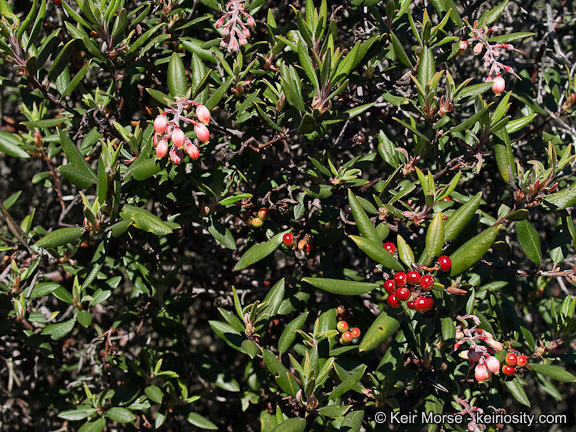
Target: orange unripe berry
[[356, 332], [347, 337], [162, 149], [178, 138], [499, 85], [342, 327], [263, 213], [160, 124], [202, 132], [511, 359], [257, 222], [203, 114], [522, 360]]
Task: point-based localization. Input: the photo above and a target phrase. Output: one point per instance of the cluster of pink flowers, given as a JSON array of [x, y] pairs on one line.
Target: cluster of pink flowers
[[491, 54], [481, 357], [169, 131], [234, 30]]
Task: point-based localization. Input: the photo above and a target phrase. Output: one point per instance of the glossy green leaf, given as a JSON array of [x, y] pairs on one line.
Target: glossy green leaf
[[469, 122], [473, 250], [61, 237], [334, 411], [250, 347], [177, 81], [375, 251], [61, 61], [399, 50], [503, 154], [473, 91], [553, 371], [144, 168], [434, 240], [307, 125], [348, 383], [493, 14], [228, 334], [340, 287], [363, 222], [154, 393], [59, 330], [95, 426], [306, 63], [77, 176], [291, 425], [426, 66], [120, 415], [563, 199], [381, 329], [84, 318], [200, 421], [221, 234], [529, 240], [515, 387], [456, 223], [77, 414], [289, 333], [75, 157], [144, 220], [516, 125], [285, 379], [510, 37], [404, 251], [11, 145], [448, 328], [259, 251]]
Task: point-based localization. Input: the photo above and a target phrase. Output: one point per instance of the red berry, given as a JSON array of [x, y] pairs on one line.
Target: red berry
[[427, 282], [203, 114], [342, 326], [202, 132], [263, 213], [508, 370], [402, 294], [392, 301], [429, 303], [390, 247], [256, 222], [347, 337], [389, 286], [400, 279], [160, 124], [447, 199], [445, 263], [511, 359], [356, 333], [288, 239], [308, 247], [413, 278], [410, 304], [522, 360], [420, 304], [178, 138]]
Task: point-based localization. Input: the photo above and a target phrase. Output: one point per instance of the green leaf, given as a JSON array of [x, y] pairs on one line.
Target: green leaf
[[95, 426], [473, 91], [334, 411], [221, 234], [59, 330], [553, 371], [43, 288], [510, 37], [306, 63], [120, 415], [362, 220], [399, 50], [259, 251], [228, 334], [448, 328], [289, 333], [291, 425], [341, 287], [404, 251], [348, 383], [60, 237], [492, 15], [458, 220], [285, 379], [434, 240], [251, 348], [563, 199], [560, 244], [377, 252], [62, 60], [307, 125], [154, 393], [200, 421], [517, 391], [473, 250], [47, 123], [144, 220], [381, 329], [529, 240], [516, 125], [77, 176], [177, 81], [77, 414], [10, 144], [503, 154], [426, 67], [84, 318], [75, 157], [469, 122]]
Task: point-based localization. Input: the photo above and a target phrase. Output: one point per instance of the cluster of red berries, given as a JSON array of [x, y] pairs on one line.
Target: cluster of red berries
[[303, 244], [258, 220], [349, 335], [513, 361], [234, 30], [169, 131]]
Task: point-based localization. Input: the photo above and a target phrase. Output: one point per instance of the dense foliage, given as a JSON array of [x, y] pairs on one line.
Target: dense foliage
[[349, 215]]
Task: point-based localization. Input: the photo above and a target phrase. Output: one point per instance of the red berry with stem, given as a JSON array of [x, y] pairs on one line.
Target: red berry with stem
[[522, 360], [356, 333], [420, 304], [511, 359], [427, 282], [410, 304], [288, 239], [508, 370], [390, 247], [402, 294], [413, 278], [429, 303], [389, 286], [392, 301], [342, 326], [347, 337], [445, 263], [400, 279]]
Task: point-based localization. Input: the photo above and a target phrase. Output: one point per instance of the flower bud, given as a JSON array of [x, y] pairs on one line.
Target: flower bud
[[203, 114], [246, 32], [493, 364], [250, 21], [178, 138], [160, 124], [155, 140], [481, 373], [162, 149], [499, 85], [220, 22], [202, 132], [191, 150], [176, 156], [477, 49]]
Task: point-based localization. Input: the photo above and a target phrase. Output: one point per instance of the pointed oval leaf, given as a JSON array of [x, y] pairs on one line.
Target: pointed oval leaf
[[529, 240], [289, 334], [434, 240], [154, 393], [553, 371], [377, 252], [60, 237], [348, 383], [95, 426], [381, 329], [120, 415], [77, 414], [362, 220], [251, 348], [426, 67], [461, 217], [340, 287], [200, 421], [10, 144], [285, 379], [404, 251], [563, 199], [177, 81], [259, 251], [517, 391], [291, 425], [503, 154], [222, 234], [77, 176], [59, 330], [473, 250], [145, 220]]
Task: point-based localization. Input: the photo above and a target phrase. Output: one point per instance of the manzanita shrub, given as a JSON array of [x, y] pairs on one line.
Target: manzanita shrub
[[287, 216]]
